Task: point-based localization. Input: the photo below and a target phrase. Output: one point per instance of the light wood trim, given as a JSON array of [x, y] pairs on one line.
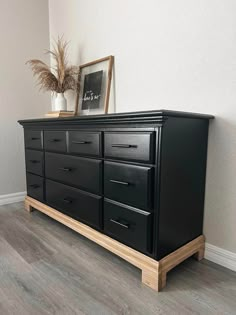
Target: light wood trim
[[77, 94], [109, 79], [95, 61], [200, 254], [153, 272], [151, 279], [60, 113], [169, 262], [28, 205], [195, 247]]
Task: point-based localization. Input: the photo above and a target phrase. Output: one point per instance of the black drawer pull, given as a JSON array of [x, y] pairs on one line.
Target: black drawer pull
[[65, 169], [124, 146], [34, 186], [54, 140], [67, 200], [33, 138], [81, 142], [119, 182], [34, 161], [121, 224]]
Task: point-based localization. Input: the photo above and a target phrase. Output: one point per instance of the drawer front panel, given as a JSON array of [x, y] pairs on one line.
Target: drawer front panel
[[34, 162], [55, 141], [75, 203], [128, 225], [128, 184], [34, 139], [80, 172], [85, 143], [35, 186], [129, 146]]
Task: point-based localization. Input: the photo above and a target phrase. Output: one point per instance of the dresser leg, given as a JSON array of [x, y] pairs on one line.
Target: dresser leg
[[154, 279], [28, 207], [200, 254], [163, 279]]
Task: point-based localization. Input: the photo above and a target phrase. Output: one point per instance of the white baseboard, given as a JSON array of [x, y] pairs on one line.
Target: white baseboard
[[220, 256], [11, 198]]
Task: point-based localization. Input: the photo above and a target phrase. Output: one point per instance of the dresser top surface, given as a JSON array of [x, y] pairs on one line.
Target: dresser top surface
[[148, 116]]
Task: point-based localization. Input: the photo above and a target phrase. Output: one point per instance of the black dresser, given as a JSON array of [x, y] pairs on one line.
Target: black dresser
[[138, 178]]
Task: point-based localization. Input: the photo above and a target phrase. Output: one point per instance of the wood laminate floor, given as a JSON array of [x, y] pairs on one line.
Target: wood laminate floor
[[46, 268]]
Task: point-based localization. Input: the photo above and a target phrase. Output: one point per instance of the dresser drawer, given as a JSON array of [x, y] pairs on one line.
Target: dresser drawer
[[129, 184], [75, 203], [55, 141], [137, 146], [34, 162], [80, 172], [85, 143], [128, 225], [35, 186], [34, 139]]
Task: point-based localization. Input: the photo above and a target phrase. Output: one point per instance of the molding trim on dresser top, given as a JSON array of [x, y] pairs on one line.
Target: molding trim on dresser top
[[132, 182]]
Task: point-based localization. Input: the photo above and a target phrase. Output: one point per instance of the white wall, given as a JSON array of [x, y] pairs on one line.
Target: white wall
[[24, 35], [170, 54]]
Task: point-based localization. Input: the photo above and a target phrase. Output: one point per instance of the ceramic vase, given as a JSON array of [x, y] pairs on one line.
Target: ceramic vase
[[60, 102]]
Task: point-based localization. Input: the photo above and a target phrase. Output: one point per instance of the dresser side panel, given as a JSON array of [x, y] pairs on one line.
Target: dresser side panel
[[182, 183]]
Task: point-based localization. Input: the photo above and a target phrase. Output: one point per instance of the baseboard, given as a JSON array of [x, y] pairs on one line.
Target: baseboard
[[220, 256], [11, 198]]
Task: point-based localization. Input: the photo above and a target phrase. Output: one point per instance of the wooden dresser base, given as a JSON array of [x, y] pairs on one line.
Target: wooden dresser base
[[153, 272]]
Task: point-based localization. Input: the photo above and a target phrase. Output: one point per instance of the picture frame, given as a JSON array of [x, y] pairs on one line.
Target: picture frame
[[95, 84]]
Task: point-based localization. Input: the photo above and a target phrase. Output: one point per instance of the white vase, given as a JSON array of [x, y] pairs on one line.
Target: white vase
[[60, 102]]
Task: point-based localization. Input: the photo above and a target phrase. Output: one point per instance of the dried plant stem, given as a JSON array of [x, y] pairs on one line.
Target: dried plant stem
[[56, 79]]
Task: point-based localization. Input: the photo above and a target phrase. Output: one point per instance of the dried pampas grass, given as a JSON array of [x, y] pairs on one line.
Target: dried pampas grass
[[56, 79]]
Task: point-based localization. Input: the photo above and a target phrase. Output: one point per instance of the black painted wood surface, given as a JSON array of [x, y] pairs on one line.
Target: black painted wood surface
[[137, 146], [55, 141], [129, 184], [34, 139], [128, 225], [85, 143], [154, 176], [35, 186], [75, 171], [34, 161], [76, 203]]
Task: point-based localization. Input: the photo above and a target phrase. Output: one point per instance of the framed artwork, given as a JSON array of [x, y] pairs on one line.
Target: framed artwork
[[95, 85]]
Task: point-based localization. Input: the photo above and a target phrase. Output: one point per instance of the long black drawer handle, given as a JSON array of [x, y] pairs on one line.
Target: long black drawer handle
[[33, 138], [81, 142], [65, 169], [54, 140], [121, 224], [124, 145], [34, 186], [34, 161], [119, 182], [67, 200]]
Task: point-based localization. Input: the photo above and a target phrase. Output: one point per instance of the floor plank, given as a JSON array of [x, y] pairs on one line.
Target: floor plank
[[46, 268]]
